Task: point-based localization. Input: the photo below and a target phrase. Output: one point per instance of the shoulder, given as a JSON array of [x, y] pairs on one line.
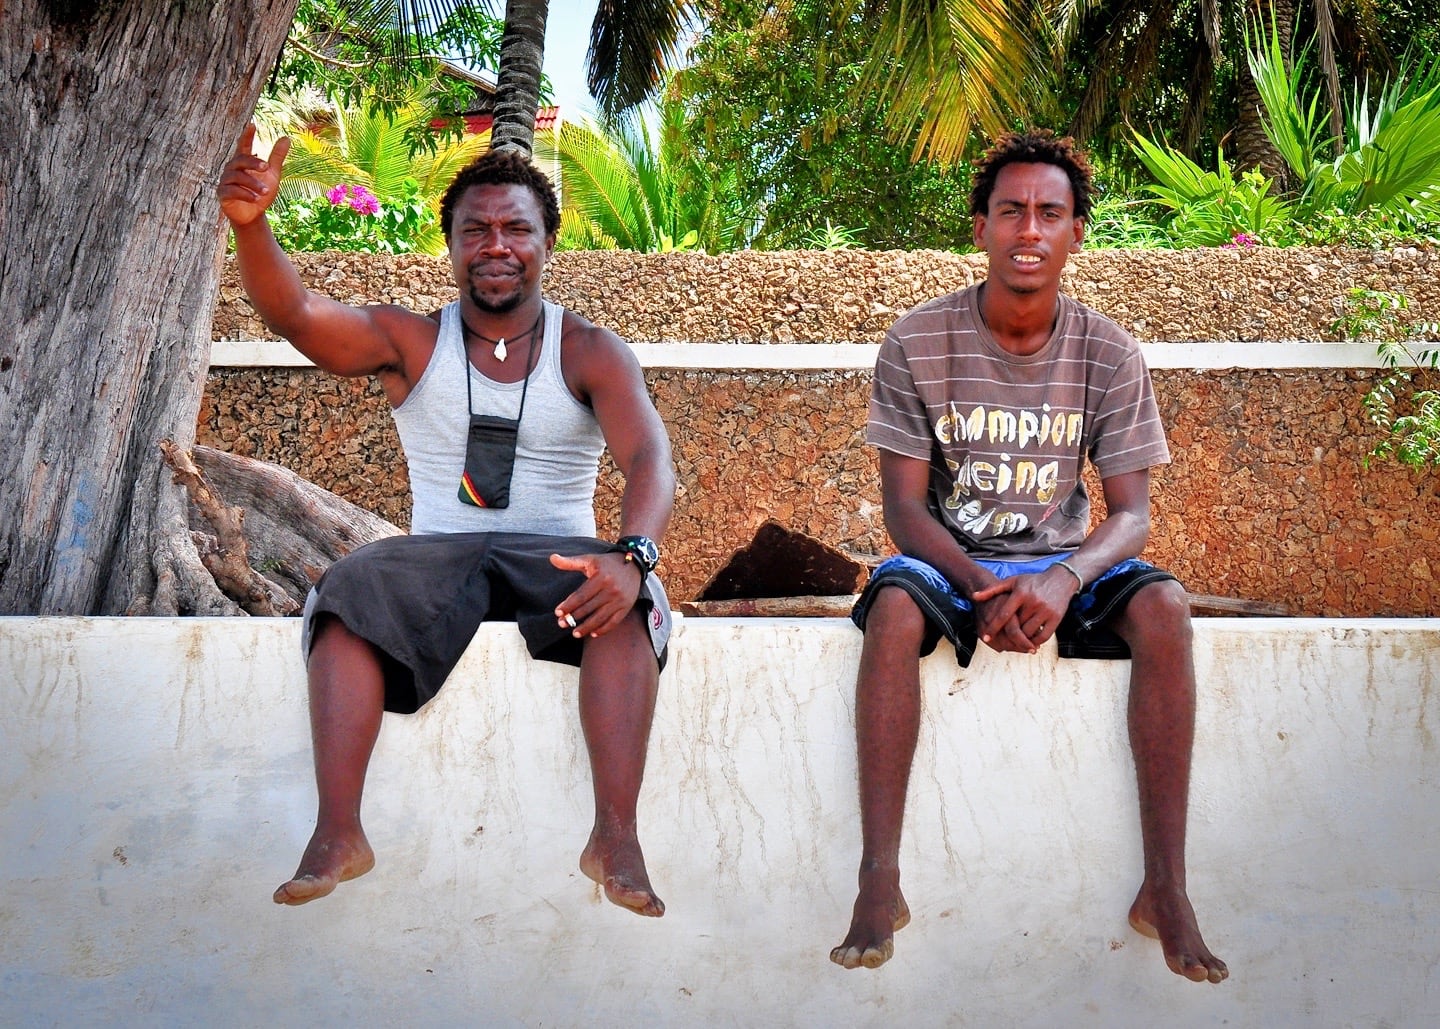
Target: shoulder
[[412, 336], [938, 315], [1096, 327], [592, 356], [590, 342], [404, 325]]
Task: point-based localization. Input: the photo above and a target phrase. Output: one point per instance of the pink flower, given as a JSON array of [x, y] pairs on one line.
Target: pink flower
[[1240, 239], [362, 201], [336, 194]]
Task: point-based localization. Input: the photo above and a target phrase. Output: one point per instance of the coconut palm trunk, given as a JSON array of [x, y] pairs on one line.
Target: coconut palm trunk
[[517, 91]]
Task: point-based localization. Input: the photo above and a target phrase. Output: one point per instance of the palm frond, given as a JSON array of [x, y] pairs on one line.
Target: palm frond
[[946, 66], [1295, 126], [632, 42], [600, 185], [391, 26]]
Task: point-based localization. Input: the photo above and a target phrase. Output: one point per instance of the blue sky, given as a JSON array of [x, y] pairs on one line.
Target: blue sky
[[567, 35]]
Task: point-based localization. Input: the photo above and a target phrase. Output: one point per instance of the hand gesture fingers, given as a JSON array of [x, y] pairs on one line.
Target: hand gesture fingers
[[605, 597], [992, 591], [996, 607], [1008, 636], [249, 184]]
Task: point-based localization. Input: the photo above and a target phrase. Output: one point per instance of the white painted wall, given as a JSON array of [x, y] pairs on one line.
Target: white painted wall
[[155, 787]]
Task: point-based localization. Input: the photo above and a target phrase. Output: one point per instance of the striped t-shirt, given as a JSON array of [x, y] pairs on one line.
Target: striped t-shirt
[[1007, 437]]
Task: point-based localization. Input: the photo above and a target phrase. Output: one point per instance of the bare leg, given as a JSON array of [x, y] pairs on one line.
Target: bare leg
[[619, 679], [347, 697], [1156, 625], [887, 725]]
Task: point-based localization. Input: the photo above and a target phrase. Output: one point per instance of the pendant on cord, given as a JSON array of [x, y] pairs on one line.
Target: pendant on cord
[[501, 350]]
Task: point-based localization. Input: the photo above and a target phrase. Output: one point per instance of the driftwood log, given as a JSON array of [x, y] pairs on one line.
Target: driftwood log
[[279, 537]]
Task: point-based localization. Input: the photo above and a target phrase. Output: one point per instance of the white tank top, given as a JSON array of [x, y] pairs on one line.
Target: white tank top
[[557, 454]]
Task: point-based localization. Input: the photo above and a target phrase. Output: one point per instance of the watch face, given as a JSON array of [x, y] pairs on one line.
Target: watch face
[[644, 549]]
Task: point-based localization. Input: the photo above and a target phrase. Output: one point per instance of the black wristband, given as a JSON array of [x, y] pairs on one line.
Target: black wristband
[[642, 550]]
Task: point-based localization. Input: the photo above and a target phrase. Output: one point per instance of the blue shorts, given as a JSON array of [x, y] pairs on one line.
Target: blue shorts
[[1083, 632]]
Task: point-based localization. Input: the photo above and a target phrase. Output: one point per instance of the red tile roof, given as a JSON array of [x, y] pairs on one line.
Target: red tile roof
[[545, 120]]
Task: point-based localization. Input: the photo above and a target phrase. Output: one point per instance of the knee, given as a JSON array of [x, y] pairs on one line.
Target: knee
[[895, 617], [630, 635], [1159, 614], [338, 654]]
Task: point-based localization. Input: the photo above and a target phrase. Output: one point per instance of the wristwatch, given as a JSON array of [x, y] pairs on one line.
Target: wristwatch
[[642, 550]]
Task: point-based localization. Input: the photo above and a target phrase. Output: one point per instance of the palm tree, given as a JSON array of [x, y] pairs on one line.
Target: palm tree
[[1386, 159], [631, 43], [942, 67], [633, 187], [1388, 162], [1181, 63]]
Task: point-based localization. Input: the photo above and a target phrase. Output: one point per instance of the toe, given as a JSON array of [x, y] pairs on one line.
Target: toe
[[302, 889], [876, 956], [846, 957]]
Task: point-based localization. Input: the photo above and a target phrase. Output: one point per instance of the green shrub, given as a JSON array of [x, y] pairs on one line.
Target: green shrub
[[1408, 417]]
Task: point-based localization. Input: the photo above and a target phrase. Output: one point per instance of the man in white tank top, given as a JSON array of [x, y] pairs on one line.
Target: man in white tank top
[[503, 402], [986, 406]]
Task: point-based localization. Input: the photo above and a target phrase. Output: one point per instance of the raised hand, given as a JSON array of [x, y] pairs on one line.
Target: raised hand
[[249, 185]]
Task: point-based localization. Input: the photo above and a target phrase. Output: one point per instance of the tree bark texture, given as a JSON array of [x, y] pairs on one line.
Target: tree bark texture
[[119, 117], [293, 529], [1253, 148], [517, 88]]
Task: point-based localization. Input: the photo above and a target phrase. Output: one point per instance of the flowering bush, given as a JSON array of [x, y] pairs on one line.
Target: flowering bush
[[350, 217], [357, 198]]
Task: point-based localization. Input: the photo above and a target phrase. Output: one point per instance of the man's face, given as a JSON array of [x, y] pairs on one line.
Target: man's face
[[498, 245], [1030, 227]]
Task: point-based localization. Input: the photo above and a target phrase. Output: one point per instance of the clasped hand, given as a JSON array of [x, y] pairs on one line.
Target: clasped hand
[[1020, 613], [605, 597]]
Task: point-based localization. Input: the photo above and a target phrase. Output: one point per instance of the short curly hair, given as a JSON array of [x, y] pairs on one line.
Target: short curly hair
[[502, 167], [1034, 146]]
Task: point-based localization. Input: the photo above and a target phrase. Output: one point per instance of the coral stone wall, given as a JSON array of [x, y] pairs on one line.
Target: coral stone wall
[[1267, 498]]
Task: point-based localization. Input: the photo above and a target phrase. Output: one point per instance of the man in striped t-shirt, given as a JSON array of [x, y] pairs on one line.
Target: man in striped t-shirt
[[986, 405]]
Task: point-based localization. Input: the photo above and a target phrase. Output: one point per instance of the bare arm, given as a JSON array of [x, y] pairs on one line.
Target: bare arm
[[610, 377], [905, 486], [634, 434], [340, 339]]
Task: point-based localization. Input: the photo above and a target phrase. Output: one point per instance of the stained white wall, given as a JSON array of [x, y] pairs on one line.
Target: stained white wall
[[155, 787]]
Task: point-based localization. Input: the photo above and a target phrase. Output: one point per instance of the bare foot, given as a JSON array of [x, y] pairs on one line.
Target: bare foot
[[619, 867], [880, 912], [1170, 919], [326, 863]]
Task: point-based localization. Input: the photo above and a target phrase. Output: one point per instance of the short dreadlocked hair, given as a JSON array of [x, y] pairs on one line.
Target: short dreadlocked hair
[[1034, 146], [502, 168]]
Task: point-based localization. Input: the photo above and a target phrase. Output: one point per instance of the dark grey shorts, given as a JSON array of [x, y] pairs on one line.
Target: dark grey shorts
[[419, 600], [1083, 632]]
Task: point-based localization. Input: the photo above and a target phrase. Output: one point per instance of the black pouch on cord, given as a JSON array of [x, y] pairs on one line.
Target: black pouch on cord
[[490, 445], [489, 461]]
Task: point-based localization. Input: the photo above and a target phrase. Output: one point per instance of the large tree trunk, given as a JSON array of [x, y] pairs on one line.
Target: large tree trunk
[[517, 89], [119, 117]]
